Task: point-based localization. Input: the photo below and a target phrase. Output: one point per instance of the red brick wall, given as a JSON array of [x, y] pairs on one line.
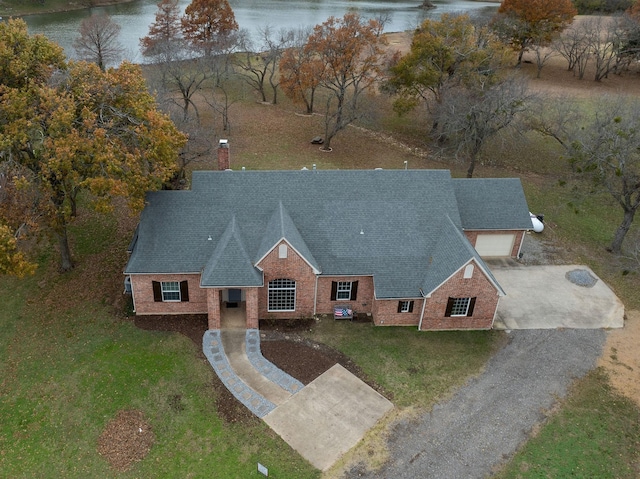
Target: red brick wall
[[213, 297], [477, 286], [251, 296], [143, 295], [385, 313], [473, 235], [364, 299], [292, 267]]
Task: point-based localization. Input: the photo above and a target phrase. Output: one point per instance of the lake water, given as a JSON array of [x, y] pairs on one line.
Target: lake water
[[135, 17]]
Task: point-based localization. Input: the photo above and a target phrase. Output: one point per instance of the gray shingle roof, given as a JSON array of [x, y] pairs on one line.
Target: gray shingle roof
[[401, 226], [492, 204], [280, 227], [229, 264]]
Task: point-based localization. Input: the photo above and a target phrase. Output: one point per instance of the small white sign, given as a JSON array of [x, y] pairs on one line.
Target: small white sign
[[263, 470]]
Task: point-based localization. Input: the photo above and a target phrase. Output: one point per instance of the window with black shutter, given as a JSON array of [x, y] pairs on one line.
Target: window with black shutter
[[184, 291], [157, 291], [460, 307]]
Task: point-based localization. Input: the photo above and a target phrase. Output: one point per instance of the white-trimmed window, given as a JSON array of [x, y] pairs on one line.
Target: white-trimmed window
[[468, 271], [170, 290], [405, 306], [460, 307], [344, 290], [282, 295], [282, 251]]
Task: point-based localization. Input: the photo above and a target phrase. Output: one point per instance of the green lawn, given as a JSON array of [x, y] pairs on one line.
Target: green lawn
[[418, 368], [596, 434], [68, 364]]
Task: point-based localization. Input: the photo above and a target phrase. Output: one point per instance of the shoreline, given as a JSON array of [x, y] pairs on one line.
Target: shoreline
[[71, 7]]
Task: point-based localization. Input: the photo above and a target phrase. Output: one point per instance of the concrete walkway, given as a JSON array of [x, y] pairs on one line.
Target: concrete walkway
[[321, 421]]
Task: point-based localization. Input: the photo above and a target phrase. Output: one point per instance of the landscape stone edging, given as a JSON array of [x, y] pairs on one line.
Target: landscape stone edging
[[266, 368], [214, 351]]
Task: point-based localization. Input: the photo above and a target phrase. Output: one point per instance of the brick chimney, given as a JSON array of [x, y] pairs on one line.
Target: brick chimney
[[223, 155]]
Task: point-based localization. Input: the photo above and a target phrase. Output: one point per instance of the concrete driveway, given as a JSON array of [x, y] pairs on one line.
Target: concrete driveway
[[550, 297], [328, 417]]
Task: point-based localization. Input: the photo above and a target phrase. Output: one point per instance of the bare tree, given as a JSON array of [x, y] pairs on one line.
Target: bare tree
[[607, 148], [574, 47], [260, 61], [468, 118], [605, 38], [542, 55], [98, 41]]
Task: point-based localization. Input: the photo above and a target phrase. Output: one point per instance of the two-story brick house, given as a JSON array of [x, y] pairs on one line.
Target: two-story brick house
[[405, 246]]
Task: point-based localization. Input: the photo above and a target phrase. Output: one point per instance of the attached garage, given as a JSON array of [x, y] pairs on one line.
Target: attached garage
[[492, 245]]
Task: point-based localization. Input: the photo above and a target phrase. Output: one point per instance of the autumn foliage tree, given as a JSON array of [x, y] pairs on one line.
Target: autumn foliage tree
[[527, 22], [71, 128], [98, 41], [349, 53], [165, 33], [300, 71], [447, 53], [208, 24]]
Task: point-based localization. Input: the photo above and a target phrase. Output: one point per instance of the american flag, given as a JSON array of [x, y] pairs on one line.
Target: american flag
[[342, 312]]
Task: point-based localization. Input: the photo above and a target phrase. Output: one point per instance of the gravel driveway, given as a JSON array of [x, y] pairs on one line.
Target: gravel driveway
[[485, 422]]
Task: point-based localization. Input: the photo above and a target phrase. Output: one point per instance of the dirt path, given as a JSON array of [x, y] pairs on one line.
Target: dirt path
[[621, 357]]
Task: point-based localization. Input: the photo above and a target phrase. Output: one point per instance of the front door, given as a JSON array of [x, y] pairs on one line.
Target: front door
[[235, 295]]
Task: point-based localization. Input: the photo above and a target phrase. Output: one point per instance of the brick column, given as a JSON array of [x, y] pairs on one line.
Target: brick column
[[251, 296], [213, 308]]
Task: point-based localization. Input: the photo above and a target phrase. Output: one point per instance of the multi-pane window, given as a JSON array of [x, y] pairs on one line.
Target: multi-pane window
[[405, 307], [170, 291], [460, 306], [344, 290], [282, 295]]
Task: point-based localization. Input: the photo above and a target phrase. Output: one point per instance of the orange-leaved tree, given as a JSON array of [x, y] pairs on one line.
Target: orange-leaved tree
[[300, 71], [165, 33], [349, 50], [524, 23], [208, 24], [73, 128]]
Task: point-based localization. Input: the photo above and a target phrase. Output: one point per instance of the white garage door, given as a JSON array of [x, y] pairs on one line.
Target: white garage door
[[495, 245]]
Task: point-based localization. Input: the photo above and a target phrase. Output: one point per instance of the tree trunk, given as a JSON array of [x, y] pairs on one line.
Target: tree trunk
[[621, 232], [65, 253]]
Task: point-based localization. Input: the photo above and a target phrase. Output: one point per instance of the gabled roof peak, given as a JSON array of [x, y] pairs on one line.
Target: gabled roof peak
[[229, 264]]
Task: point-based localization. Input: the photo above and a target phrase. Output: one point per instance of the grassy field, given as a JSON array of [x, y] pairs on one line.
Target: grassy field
[[70, 360], [416, 368], [596, 434], [69, 363]]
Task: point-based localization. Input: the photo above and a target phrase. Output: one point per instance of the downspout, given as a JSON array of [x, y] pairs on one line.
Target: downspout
[[524, 232], [495, 313], [424, 304], [133, 296], [315, 297]]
